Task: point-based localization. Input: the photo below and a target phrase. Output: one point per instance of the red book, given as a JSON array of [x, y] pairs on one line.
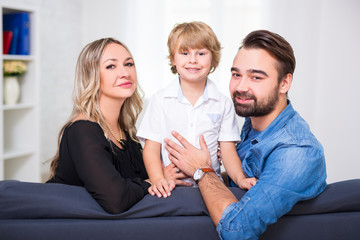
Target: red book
[[7, 37]]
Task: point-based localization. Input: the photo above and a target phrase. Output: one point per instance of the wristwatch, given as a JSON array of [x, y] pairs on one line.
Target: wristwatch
[[199, 173]]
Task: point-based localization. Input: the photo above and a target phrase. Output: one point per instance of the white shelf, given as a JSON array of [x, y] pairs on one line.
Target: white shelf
[[8, 155], [19, 57], [19, 123], [19, 106]]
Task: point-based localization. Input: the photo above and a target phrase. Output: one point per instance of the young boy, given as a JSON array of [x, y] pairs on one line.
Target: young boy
[[192, 106]]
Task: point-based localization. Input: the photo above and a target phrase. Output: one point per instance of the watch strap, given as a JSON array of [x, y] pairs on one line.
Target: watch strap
[[204, 170]]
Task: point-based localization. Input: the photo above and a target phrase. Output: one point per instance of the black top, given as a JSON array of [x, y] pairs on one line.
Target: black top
[[113, 176]]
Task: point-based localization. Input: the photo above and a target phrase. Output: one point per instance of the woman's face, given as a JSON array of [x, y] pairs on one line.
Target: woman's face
[[117, 73]]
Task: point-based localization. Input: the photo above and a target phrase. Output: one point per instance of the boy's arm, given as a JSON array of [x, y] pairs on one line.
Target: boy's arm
[[233, 165], [154, 168]]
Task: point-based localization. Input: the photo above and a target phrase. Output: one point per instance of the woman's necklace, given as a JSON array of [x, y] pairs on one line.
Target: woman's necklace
[[112, 133]]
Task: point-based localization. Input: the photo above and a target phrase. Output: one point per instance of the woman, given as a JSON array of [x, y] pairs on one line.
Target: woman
[[98, 148]]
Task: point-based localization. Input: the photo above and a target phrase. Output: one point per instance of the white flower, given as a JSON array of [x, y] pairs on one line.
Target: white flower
[[14, 67]]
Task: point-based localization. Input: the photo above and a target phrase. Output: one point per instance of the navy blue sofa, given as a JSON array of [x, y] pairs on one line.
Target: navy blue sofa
[[56, 211]]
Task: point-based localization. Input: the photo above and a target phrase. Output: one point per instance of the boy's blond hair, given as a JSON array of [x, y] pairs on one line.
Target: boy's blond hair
[[193, 35]]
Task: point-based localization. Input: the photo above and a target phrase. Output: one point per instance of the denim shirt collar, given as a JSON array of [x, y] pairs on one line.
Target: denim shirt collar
[[278, 123]]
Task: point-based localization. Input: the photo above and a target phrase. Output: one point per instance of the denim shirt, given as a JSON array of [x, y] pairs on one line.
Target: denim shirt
[[289, 163]]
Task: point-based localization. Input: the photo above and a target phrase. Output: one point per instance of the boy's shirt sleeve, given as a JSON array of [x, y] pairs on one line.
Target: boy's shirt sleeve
[[150, 126], [229, 130]]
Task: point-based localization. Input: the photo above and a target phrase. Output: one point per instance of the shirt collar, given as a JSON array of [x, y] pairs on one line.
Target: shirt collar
[[174, 90], [278, 123]]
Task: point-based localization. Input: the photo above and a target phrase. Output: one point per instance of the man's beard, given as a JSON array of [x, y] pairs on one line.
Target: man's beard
[[256, 109]]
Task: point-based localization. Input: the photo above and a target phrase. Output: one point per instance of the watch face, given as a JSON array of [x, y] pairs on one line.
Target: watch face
[[198, 174]]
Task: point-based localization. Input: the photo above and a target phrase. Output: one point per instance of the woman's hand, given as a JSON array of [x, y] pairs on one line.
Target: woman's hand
[[173, 176], [164, 186]]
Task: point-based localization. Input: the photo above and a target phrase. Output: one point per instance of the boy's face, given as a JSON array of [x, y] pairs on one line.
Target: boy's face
[[193, 64]]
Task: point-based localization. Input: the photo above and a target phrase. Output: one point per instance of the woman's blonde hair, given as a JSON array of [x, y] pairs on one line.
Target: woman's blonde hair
[[86, 94], [193, 35]]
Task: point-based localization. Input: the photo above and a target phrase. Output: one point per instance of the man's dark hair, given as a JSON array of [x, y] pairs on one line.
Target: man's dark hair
[[276, 46]]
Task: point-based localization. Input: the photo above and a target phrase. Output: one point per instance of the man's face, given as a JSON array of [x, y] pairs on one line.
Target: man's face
[[254, 83]]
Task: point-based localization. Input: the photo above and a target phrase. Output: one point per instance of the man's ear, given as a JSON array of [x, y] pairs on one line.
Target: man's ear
[[286, 83]]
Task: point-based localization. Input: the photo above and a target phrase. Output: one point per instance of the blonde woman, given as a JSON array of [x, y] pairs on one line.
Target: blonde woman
[[98, 148]]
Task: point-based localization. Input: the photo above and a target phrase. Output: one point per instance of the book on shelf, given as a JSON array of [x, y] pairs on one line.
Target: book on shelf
[[19, 24], [7, 38]]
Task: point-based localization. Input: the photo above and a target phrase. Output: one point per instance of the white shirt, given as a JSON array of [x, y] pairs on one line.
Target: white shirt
[[213, 116]]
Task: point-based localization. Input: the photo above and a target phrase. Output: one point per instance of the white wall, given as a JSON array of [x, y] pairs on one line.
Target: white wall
[[325, 38], [60, 42], [336, 109], [323, 33]]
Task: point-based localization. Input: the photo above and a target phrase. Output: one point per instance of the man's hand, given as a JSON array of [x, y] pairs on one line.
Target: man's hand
[[187, 157]]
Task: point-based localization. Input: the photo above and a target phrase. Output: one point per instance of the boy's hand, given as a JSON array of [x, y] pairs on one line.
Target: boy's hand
[[161, 188], [247, 183]]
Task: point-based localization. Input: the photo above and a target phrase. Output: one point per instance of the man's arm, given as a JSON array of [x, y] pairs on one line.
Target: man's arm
[[292, 173], [216, 195], [188, 158]]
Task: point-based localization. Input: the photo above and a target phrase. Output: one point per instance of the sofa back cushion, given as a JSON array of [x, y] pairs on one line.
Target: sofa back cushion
[[26, 200]]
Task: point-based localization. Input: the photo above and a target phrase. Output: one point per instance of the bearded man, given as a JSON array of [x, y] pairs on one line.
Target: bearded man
[[277, 146]]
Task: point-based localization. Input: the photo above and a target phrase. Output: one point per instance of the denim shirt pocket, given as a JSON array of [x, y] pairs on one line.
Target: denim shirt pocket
[[251, 165]]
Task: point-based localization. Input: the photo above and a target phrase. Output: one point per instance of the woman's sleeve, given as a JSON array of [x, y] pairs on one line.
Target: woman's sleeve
[[93, 162]]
